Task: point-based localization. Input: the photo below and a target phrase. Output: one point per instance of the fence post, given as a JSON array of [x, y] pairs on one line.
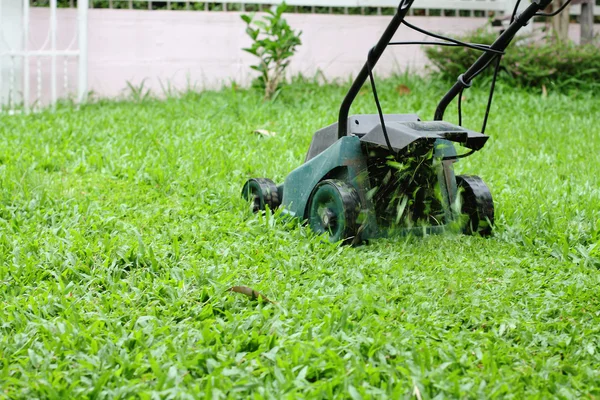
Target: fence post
[[82, 6], [53, 93], [586, 20], [25, 56], [1, 67]]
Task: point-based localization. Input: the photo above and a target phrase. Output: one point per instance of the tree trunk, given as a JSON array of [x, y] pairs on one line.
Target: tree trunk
[[560, 22], [587, 22]]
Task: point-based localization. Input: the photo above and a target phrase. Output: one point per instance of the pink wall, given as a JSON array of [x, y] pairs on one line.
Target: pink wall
[[204, 49]]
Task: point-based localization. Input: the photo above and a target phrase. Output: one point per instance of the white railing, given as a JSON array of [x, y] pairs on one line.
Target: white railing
[[458, 7], [17, 57], [473, 7], [420, 4]]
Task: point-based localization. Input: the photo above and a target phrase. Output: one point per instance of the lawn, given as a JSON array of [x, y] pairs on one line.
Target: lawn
[[122, 228]]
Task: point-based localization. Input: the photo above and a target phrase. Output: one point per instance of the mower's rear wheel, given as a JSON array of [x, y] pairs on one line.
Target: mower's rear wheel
[[262, 192], [334, 208], [477, 204]]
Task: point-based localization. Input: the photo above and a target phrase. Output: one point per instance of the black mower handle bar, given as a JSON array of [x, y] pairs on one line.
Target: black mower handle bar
[[373, 57], [501, 43], [464, 80]]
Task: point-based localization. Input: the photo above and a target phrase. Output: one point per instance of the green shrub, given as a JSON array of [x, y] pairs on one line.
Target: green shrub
[[274, 43], [528, 63]]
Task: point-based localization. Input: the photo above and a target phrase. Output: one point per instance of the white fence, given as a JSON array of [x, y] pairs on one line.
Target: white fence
[[331, 5], [443, 7], [23, 61]]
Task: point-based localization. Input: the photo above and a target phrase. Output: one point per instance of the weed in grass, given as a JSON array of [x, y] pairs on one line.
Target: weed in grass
[[122, 228]]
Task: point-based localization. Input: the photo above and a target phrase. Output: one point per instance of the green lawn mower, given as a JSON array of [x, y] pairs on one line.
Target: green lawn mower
[[371, 176]]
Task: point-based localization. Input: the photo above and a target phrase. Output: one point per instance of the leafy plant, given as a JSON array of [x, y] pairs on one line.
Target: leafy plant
[[527, 62], [274, 42]]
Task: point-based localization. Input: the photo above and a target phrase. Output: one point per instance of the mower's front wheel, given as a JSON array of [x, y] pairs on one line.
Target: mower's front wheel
[[262, 192], [477, 204], [334, 209]]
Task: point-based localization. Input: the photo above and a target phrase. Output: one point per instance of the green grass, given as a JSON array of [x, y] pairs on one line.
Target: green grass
[[122, 228]]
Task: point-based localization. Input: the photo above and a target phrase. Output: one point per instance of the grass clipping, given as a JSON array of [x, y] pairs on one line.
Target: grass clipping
[[407, 192]]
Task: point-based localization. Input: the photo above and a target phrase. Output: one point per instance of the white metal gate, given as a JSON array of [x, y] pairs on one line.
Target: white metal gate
[[24, 64]]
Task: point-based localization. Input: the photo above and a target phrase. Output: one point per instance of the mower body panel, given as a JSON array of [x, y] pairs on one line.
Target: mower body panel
[[358, 125], [347, 159], [403, 134], [342, 160]]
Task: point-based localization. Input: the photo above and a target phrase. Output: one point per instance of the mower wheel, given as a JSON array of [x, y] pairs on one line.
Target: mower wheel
[[334, 208], [262, 192], [477, 204]]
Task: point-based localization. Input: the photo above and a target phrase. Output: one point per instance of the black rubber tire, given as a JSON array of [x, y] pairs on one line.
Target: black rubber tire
[[477, 204], [262, 192], [334, 208]]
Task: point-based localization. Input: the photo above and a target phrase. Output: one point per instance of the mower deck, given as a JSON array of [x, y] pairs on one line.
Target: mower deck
[[354, 169]]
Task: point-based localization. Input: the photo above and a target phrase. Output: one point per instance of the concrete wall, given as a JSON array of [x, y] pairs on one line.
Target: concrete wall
[[204, 49]]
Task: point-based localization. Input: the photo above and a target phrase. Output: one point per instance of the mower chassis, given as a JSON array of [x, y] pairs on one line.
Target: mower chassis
[[346, 160]]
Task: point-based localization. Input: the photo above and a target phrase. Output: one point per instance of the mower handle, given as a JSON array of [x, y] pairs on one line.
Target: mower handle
[[373, 57], [500, 44], [464, 80]]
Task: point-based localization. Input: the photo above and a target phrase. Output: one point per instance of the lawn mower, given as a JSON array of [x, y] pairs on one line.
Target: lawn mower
[[372, 176]]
